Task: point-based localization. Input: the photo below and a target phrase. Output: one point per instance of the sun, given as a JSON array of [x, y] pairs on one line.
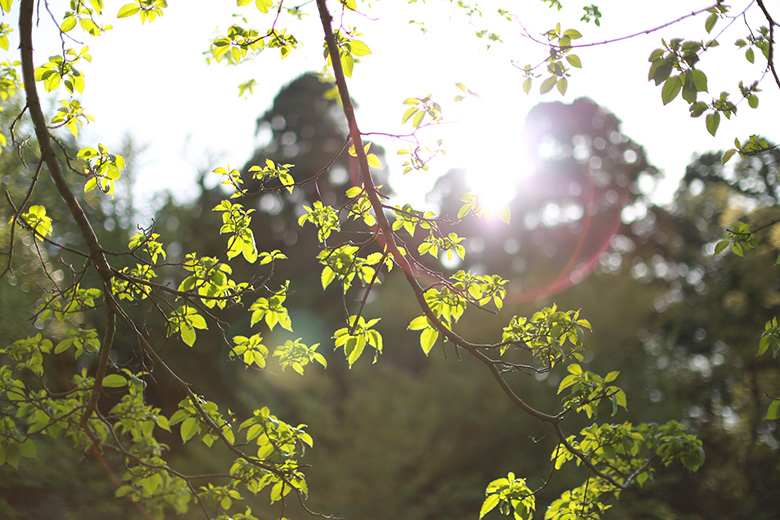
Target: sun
[[494, 189], [495, 177], [493, 151]]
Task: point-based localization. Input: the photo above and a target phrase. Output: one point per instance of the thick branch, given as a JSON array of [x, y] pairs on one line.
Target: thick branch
[[49, 157]]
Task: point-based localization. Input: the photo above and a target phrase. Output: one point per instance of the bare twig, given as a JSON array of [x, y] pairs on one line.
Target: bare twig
[[770, 54]]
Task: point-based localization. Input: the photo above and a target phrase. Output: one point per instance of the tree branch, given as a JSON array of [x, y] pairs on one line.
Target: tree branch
[[49, 157], [770, 54]]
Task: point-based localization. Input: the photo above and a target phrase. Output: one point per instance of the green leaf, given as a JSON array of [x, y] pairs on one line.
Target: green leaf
[[162, 422], [712, 121], [263, 5], [188, 335], [68, 23], [699, 80], [419, 323], [574, 60], [428, 339], [562, 84], [567, 382], [122, 491], [774, 410], [670, 89], [698, 109], [347, 63], [660, 71], [721, 246], [359, 48], [418, 117], [763, 344], [373, 161], [548, 84], [693, 459], [114, 381], [189, 428], [490, 502], [328, 275], [710, 22], [28, 450], [128, 10], [727, 155], [409, 113]]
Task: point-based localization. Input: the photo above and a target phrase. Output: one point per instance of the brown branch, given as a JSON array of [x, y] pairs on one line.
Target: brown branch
[[105, 348], [44, 142], [770, 54], [49, 157]]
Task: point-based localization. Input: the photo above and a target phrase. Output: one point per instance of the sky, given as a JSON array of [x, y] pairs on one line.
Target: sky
[[152, 82]]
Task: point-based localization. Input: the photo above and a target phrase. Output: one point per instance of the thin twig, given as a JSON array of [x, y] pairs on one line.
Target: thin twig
[[770, 54]]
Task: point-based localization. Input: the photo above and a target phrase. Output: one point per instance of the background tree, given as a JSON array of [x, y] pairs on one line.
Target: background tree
[[580, 173]]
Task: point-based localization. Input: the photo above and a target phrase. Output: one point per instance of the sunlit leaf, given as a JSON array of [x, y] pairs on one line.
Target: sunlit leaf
[[773, 412], [189, 428], [114, 381], [128, 10], [574, 60]]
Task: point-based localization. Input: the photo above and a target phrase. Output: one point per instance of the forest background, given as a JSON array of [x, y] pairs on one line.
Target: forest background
[[681, 324]]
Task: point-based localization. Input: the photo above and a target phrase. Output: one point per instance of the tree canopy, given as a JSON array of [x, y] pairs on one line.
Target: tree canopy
[[114, 330]]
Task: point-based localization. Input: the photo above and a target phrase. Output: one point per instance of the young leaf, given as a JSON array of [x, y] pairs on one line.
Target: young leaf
[[428, 339], [547, 85], [574, 60], [774, 410], [721, 246], [114, 381], [359, 48], [189, 428], [128, 10], [670, 89], [562, 84], [710, 22], [712, 121], [487, 506]]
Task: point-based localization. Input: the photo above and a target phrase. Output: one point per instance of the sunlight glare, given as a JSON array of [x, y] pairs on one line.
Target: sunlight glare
[[494, 152], [496, 169]]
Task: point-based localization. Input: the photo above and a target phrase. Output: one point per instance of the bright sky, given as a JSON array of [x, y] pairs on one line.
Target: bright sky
[[152, 82]]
